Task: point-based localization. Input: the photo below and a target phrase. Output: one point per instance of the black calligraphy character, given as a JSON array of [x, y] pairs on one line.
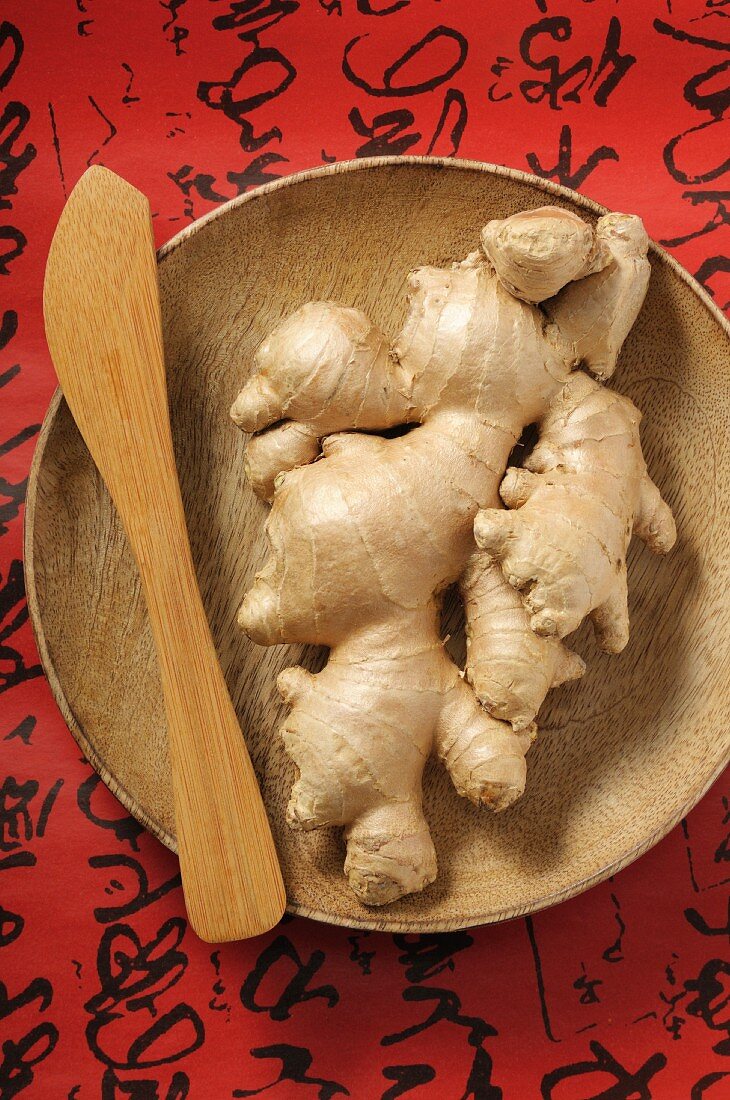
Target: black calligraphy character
[[236, 103], [182, 1022], [133, 975], [216, 1003], [112, 1088], [587, 987], [389, 87], [137, 973], [614, 953], [10, 33], [128, 99], [479, 1083], [263, 75], [14, 492], [387, 134], [426, 955], [16, 823], [628, 1085], [11, 925], [295, 1062], [24, 729], [701, 1088], [705, 93], [710, 267], [558, 28], [357, 955], [255, 174], [365, 7], [8, 329], [178, 32], [701, 925], [499, 68], [112, 130], [716, 104], [19, 1059], [680, 35], [125, 829], [719, 217], [447, 1007], [13, 121], [280, 955], [456, 121], [13, 615], [15, 247], [567, 84], [251, 17], [540, 979], [143, 897], [671, 1020], [83, 24], [39, 989], [612, 62], [722, 852], [406, 1078], [563, 170], [712, 989]]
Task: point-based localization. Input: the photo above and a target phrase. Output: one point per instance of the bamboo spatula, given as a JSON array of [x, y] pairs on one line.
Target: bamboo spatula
[[102, 317]]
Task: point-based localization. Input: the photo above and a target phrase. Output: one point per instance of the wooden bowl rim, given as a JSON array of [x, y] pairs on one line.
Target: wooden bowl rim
[[77, 730]]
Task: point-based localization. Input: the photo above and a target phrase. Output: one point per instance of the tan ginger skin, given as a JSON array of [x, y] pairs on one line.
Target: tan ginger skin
[[365, 540]]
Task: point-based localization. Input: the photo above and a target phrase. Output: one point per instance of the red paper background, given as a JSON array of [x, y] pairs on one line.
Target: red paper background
[[620, 993]]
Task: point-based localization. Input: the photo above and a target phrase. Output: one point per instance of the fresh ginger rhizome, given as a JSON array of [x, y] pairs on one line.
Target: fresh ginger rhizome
[[367, 532]]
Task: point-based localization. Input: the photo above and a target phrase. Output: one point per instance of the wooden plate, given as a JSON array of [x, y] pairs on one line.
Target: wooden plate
[[622, 754]]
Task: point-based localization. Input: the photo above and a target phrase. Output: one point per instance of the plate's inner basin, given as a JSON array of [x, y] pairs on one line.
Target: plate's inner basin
[[620, 753]]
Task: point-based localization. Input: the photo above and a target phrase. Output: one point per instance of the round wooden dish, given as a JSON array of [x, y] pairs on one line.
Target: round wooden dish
[[622, 754]]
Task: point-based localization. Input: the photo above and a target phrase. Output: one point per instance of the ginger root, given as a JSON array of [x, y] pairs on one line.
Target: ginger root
[[534, 264], [366, 532], [581, 494], [509, 666], [323, 369]]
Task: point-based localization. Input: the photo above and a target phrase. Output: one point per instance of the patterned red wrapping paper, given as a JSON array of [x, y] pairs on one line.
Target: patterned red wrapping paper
[[622, 993]]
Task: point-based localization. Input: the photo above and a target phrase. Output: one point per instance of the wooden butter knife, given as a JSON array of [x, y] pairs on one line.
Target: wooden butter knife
[[102, 314]]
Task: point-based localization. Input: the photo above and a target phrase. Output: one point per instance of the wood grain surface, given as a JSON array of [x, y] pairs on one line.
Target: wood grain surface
[[102, 314], [621, 755]]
